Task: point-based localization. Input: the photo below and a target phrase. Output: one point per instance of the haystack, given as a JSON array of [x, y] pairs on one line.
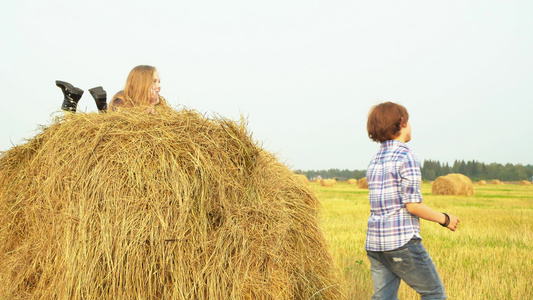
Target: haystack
[[362, 183], [524, 182], [496, 181], [167, 206], [482, 182], [452, 184], [351, 181], [328, 182], [302, 178]]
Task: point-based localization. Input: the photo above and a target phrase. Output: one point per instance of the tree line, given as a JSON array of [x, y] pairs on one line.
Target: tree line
[[333, 173], [431, 169]]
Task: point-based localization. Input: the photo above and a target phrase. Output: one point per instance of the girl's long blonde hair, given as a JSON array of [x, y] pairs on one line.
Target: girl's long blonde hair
[[137, 92]]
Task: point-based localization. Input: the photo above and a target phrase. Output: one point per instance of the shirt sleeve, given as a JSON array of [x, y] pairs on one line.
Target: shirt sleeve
[[411, 179]]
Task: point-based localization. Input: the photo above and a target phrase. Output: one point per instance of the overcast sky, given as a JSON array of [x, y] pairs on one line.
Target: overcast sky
[[303, 73]]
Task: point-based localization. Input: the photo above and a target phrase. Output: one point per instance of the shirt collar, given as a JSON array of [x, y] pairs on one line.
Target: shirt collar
[[393, 144]]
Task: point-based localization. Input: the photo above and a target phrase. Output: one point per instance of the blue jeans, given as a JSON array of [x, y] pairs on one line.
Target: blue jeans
[[410, 263]]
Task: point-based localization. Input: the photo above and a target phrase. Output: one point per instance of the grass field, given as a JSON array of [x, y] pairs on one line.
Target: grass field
[[490, 256]]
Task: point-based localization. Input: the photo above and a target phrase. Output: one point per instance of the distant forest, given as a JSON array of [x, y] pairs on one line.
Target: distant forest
[[432, 169]]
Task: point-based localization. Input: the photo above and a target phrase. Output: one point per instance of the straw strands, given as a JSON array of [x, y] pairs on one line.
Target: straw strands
[[452, 184], [167, 206]]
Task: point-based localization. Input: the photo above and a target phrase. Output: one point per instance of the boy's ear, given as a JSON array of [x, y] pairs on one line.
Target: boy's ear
[[403, 124]]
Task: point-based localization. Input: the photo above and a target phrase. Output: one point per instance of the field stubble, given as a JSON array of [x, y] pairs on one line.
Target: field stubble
[[490, 256]]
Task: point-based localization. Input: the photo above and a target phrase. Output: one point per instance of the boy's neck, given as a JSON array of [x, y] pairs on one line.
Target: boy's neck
[[404, 135], [400, 138]]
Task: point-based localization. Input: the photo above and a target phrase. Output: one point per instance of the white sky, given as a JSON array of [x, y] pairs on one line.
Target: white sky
[[304, 73]]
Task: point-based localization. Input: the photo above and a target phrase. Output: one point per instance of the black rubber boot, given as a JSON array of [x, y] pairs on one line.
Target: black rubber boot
[[100, 97], [72, 95]]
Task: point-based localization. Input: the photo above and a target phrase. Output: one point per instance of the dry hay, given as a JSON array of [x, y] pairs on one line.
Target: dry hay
[[452, 184], [328, 182], [524, 182], [496, 181], [351, 181], [482, 182], [362, 183], [166, 206], [302, 178]]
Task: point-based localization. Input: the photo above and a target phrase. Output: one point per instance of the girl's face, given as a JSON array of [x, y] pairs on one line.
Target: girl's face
[[155, 88]]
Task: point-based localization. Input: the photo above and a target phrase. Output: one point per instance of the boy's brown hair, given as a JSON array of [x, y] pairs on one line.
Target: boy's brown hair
[[385, 121]]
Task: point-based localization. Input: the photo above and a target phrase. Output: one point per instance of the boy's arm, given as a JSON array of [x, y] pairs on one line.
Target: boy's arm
[[427, 213]]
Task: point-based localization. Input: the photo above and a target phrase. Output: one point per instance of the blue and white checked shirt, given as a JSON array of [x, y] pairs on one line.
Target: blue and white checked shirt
[[393, 178]]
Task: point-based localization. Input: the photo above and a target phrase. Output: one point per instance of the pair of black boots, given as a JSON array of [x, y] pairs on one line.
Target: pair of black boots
[[72, 96]]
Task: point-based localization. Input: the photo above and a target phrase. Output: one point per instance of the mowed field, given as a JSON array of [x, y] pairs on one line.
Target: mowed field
[[490, 256]]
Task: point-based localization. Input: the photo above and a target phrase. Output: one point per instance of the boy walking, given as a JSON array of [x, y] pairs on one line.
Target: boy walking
[[393, 240]]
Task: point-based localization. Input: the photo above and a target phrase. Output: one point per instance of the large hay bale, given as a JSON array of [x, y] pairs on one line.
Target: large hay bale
[[524, 182], [496, 181], [452, 184], [351, 181], [362, 183], [328, 182], [166, 206]]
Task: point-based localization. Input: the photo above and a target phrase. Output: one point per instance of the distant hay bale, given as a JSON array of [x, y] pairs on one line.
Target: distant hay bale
[[351, 181], [302, 178], [452, 184], [362, 183], [524, 182], [328, 182], [482, 182], [496, 181], [166, 206]]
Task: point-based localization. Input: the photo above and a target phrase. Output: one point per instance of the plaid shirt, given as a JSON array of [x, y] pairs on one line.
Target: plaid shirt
[[393, 178]]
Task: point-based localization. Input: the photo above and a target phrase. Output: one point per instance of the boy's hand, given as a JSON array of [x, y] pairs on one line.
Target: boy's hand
[[454, 222]]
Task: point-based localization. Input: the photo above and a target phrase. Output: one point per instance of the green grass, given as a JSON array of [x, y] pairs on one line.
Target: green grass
[[490, 256]]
